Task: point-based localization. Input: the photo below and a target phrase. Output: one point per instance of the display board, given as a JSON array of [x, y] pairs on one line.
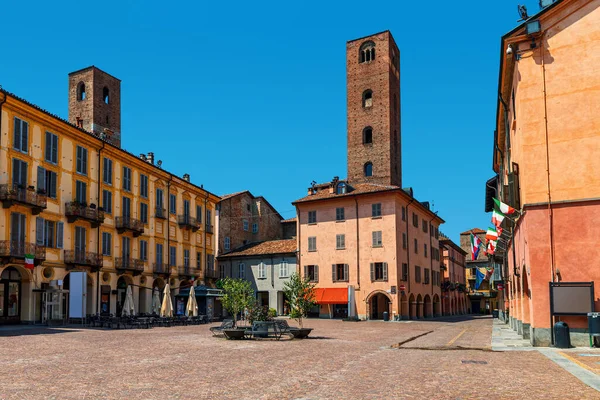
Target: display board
[[571, 298], [77, 294]]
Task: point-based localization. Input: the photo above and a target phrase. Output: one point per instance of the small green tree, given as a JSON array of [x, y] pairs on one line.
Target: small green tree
[[301, 297], [237, 295]]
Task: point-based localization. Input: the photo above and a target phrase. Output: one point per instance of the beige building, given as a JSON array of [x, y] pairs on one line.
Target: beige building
[[76, 201]]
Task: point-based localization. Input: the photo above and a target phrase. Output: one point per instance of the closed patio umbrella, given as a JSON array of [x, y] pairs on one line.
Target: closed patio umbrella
[[192, 305], [166, 310], [155, 301], [128, 306]]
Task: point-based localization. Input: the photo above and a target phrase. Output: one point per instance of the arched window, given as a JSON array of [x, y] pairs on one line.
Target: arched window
[[367, 98], [366, 52], [105, 95], [81, 91], [368, 135], [369, 169], [341, 188]]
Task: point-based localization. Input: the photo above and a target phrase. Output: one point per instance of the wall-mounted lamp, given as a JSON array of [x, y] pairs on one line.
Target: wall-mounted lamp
[[533, 27]]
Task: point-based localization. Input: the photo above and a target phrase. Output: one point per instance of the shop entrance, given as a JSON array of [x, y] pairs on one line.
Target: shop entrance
[[10, 296]]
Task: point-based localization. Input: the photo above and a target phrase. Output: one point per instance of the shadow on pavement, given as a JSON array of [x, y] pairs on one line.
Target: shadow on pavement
[[33, 331]]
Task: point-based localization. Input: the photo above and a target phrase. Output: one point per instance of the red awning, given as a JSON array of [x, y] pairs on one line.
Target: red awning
[[331, 295]]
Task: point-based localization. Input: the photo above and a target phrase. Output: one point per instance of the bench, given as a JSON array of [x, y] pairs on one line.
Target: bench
[[218, 330]]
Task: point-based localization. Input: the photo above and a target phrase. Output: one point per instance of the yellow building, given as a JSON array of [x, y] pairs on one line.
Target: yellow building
[[75, 201]]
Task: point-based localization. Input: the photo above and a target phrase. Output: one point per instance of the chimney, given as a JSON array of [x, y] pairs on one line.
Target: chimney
[[143, 156], [150, 158], [186, 177]]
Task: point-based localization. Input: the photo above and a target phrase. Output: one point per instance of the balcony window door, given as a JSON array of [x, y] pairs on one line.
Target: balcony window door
[[19, 173], [186, 208], [81, 192], [126, 250], [159, 254], [126, 211], [17, 230], [80, 236]]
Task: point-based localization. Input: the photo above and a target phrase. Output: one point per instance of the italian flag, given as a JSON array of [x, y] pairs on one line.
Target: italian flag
[[475, 244], [497, 218], [491, 246], [504, 208], [29, 261], [491, 234]]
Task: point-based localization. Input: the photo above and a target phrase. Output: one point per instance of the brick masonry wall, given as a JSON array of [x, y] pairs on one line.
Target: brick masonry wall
[[382, 77]]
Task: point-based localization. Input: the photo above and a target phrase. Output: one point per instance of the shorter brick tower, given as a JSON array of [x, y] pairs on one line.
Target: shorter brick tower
[[95, 103], [373, 85]]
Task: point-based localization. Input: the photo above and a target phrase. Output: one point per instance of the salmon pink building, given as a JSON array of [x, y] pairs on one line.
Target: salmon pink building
[[454, 283], [546, 156], [369, 246]]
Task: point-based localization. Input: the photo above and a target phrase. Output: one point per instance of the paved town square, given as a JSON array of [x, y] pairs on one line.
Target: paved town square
[[342, 360]]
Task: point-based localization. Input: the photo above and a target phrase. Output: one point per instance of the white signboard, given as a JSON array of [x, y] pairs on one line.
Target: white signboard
[[77, 294]]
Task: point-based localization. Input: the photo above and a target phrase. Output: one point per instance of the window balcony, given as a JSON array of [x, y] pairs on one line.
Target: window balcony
[[161, 269], [75, 210], [211, 274], [86, 258], [209, 229], [29, 197], [188, 272], [160, 213], [16, 250], [130, 224], [124, 264], [188, 222]]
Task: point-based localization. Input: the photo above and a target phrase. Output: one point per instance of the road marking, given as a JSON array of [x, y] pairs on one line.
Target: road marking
[[568, 357], [456, 338], [574, 368]]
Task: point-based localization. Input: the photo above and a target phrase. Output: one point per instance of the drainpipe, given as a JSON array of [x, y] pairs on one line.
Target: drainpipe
[[357, 246], [98, 236], [299, 244], [550, 214], [408, 253], [168, 212]]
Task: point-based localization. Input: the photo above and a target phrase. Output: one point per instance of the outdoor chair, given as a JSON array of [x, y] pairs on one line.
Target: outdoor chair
[[218, 330]]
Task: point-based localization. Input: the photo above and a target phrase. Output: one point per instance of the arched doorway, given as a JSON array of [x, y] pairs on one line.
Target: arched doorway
[[411, 307], [404, 312], [436, 306], [10, 296], [419, 310], [122, 284], [427, 310], [378, 303]]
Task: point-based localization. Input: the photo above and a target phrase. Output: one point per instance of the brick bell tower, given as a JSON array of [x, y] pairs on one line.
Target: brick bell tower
[[95, 103], [373, 104]]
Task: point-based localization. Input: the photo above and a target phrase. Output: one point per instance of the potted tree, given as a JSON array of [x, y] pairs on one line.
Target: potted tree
[[237, 296], [301, 297]]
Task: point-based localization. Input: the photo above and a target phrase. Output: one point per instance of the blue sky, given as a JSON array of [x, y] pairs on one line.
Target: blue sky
[[251, 95]]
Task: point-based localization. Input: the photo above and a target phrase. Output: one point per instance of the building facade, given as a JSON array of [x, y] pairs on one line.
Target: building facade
[[546, 165], [454, 284], [243, 219], [267, 265], [75, 201], [370, 247]]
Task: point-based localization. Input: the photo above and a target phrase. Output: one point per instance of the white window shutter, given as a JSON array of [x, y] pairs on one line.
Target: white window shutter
[[346, 273], [372, 272], [385, 271], [333, 268], [316, 273]]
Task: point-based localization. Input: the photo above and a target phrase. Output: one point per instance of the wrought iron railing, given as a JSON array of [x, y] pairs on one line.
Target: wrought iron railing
[[83, 258], [18, 249], [75, 209], [209, 228], [129, 264], [20, 194], [160, 213], [188, 271], [187, 221], [129, 223], [161, 268]]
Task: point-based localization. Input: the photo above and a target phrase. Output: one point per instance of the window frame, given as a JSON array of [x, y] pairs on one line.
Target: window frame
[[22, 138], [340, 214], [107, 244], [127, 179], [227, 243], [313, 240], [312, 217], [377, 239], [340, 241], [107, 208], [51, 140], [376, 210], [144, 186], [81, 160]]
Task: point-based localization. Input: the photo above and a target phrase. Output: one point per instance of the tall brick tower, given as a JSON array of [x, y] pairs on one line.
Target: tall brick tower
[[95, 103], [373, 85]]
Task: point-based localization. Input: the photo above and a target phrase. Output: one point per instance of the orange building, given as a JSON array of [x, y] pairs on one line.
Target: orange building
[[369, 245], [546, 157], [454, 284]]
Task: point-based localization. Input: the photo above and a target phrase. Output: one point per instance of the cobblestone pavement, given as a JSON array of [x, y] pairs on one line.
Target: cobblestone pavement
[[448, 359]]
